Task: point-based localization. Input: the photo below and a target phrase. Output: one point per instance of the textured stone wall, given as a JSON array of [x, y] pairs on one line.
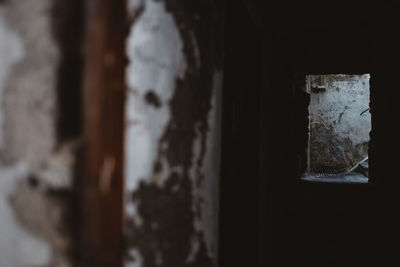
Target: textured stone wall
[[339, 135], [36, 169], [172, 158]]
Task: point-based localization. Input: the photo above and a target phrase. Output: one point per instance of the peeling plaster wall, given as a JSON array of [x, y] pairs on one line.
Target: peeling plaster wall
[[35, 169], [339, 136], [173, 133]]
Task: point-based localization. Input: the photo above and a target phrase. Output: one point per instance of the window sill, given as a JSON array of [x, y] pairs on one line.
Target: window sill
[[338, 178]]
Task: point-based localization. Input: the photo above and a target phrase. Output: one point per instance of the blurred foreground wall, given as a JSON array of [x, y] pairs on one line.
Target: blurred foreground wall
[[172, 152], [37, 136]]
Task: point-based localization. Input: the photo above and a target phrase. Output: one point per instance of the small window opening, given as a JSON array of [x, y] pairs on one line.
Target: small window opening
[[339, 127]]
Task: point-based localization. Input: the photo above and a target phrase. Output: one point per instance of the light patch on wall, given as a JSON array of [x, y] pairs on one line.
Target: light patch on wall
[[30, 96], [135, 259], [35, 174], [11, 51], [131, 212], [212, 159], [17, 246], [155, 49], [57, 171]]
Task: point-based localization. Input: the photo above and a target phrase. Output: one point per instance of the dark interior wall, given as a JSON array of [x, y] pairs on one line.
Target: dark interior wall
[[384, 150], [240, 141], [331, 225], [306, 224]]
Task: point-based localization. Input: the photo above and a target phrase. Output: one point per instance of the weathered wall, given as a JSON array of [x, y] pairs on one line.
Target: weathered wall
[[173, 132], [36, 169], [339, 136]]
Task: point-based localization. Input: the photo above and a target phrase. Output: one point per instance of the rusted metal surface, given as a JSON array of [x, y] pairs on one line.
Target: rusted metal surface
[[103, 108]]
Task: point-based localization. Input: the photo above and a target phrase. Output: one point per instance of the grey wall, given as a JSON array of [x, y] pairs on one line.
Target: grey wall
[[35, 168], [172, 149], [339, 136]]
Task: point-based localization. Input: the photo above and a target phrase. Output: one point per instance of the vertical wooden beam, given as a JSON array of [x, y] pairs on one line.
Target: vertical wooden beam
[[104, 93]]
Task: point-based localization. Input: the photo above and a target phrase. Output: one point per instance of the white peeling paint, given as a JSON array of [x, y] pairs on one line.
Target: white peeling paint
[[207, 193], [131, 212], [210, 204], [166, 170], [138, 260], [155, 50], [18, 248], [11, 51]]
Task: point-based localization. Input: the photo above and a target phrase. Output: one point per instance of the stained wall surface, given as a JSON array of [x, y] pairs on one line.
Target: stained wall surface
[[339, 134], [172, 152]]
